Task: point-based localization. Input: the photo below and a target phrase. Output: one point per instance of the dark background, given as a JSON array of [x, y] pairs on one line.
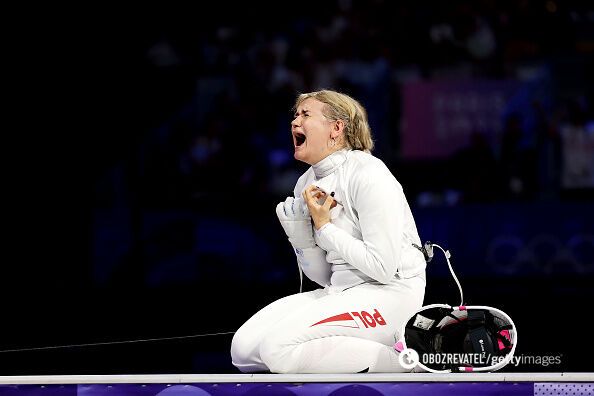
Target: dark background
[[152, 145]]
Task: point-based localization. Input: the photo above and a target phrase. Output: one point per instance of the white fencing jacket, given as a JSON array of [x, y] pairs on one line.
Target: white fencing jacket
[[371, 234]]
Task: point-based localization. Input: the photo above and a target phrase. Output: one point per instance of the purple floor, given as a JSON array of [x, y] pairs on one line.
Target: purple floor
[[578, 384], [329, 389]]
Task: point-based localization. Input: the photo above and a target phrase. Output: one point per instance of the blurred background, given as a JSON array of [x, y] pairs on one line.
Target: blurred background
[[156, 144]]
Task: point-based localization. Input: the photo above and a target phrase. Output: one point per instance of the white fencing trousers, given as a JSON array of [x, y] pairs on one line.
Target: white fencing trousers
[[327, 331]]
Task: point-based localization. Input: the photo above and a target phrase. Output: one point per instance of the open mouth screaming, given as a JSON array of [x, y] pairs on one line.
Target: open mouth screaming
[[299, 138]]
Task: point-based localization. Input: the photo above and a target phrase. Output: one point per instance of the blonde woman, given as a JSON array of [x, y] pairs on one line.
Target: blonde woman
[[353, 233]]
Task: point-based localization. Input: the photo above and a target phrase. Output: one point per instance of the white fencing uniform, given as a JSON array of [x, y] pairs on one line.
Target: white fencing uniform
[[373, 279]]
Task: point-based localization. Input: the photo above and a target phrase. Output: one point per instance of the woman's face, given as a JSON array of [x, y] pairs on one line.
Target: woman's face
[[312, 132]]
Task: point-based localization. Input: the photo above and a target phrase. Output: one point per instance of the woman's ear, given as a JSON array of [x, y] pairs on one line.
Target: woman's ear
[[337, 129]]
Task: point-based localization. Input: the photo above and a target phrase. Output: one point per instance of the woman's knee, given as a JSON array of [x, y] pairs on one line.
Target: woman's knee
[[274, 354], [243, 348]]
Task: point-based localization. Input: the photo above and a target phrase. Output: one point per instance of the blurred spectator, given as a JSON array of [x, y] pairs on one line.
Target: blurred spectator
[[517, 160], [577, 135], [548, 149], [475, 171]]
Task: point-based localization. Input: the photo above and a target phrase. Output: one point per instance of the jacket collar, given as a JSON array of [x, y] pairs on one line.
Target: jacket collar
[[329, 164]]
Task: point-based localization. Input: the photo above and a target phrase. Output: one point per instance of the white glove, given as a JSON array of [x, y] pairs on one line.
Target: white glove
[[294, 217]]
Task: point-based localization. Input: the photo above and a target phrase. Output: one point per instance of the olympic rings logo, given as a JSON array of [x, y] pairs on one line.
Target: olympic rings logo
[[543, 253]]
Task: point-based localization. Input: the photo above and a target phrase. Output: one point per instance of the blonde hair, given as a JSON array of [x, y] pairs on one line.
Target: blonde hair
[[338, 106]]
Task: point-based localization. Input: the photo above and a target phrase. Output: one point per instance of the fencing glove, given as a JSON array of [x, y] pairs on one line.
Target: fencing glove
[[294, 217]]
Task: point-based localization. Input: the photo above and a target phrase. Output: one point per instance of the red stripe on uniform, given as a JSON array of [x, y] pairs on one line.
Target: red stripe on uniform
[[335, 318]]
